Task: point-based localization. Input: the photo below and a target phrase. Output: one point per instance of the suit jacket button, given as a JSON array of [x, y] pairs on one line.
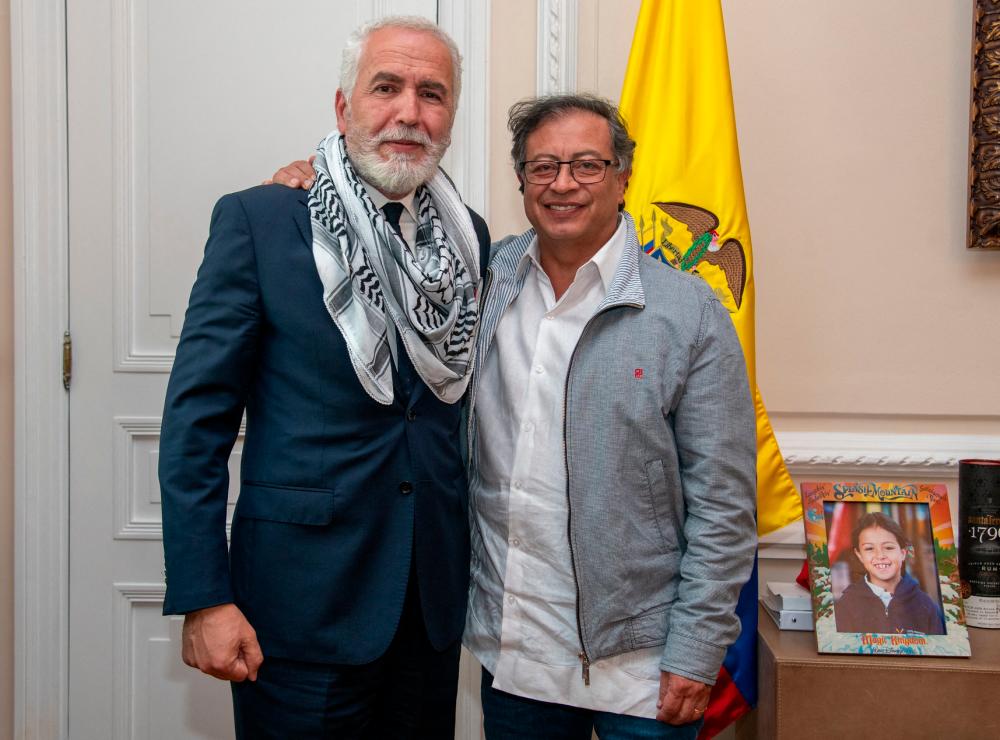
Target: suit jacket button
[[411, 415], [406, 488]]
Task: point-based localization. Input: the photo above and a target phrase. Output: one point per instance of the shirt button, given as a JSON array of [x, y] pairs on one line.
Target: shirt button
[[517, 485], [510, 599], [515, 542], [406, 488], [526, 426], [411, 415], [539, 369]]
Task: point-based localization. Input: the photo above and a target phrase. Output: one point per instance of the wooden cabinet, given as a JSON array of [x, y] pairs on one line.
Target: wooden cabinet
[[804, 694]]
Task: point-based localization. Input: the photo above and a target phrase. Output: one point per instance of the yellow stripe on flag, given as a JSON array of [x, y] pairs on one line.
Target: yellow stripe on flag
[[686, 189]]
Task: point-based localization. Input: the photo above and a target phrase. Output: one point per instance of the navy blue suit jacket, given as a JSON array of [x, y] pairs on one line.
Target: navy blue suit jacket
[[336, 490]]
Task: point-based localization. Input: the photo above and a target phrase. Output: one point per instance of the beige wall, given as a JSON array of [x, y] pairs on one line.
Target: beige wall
[[512, 77], [6, 392], [854, 131], [853, 125]]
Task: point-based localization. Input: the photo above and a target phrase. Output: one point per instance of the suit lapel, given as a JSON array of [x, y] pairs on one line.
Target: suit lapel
[[302, 216]]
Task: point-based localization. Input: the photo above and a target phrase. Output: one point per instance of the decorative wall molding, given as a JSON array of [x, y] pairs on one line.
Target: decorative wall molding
[[126, 595], [557, 46], [135, 489], [132, 437], [41, 406], [130, 184], [843, 455], [928, 456]]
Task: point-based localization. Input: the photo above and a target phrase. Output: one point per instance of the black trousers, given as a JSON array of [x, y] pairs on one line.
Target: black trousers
[[409, 692]]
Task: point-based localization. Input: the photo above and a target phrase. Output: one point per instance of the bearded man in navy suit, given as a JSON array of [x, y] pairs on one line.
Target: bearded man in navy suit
[[342, 322]]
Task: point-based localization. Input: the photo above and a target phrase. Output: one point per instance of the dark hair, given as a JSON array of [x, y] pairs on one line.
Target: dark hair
[[527, 115], [878, 519]]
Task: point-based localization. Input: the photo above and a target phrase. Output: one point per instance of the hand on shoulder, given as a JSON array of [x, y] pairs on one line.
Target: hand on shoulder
[[298, 174]]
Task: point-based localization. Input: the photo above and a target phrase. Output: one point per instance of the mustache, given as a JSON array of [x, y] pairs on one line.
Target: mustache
[[400, 133]]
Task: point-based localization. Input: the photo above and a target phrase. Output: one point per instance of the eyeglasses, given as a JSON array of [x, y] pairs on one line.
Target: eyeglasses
[[545, 171]]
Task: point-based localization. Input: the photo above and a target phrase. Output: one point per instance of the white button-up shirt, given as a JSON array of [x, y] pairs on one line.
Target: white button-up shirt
[[522, 507], [407, 219]]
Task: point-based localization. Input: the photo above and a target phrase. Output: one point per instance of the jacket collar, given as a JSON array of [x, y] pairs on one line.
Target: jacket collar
[[626, 287], [507, 264]]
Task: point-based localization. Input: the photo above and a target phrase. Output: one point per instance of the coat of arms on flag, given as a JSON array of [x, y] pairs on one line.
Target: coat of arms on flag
[[686, 237]]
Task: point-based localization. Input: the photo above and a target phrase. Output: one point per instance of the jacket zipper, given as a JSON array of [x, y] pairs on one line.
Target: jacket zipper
[[584, 656]]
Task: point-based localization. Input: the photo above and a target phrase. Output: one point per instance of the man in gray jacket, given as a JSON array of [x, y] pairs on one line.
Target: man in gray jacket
[[612, 457]]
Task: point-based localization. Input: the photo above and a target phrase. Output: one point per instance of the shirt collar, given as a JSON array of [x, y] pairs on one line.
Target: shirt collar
[[605, 260], [884, 596], [380, 200]]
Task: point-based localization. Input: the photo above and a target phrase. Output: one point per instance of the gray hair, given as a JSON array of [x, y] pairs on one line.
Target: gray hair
[[351, 57], [527, 115]]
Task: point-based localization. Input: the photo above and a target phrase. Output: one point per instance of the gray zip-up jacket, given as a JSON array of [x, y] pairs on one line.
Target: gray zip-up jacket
[[660, 441]]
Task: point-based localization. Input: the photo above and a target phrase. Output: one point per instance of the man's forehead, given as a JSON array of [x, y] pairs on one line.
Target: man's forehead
[[402, 50], [580, 131]]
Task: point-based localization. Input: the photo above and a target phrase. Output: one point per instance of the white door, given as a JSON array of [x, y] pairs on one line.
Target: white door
[[172, 103]]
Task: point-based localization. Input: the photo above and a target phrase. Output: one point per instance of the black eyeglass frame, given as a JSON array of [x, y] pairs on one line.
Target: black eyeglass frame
[[522, 166]]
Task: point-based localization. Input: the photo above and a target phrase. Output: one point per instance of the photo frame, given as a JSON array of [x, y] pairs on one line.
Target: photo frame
[[883, 569]]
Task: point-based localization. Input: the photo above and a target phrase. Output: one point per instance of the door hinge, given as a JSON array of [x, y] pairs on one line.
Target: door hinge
[[67, 360]]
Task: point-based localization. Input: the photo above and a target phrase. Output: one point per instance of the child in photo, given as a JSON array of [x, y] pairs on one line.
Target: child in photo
[[887, 599]]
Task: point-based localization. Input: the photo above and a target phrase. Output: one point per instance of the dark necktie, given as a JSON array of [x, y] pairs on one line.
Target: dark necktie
[[392, 211]]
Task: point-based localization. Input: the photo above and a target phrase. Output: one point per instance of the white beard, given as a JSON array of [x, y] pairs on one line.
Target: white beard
[[401, 172]]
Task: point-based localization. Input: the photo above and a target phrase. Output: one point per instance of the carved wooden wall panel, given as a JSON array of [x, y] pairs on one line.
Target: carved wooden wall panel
[[984, 135]]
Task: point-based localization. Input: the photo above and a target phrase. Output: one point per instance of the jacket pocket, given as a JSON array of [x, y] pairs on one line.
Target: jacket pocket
[[288, 504], [660, 505], [649, 629]]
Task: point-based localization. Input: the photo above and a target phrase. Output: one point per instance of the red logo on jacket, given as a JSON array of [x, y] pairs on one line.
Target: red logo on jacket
[[638, 373]]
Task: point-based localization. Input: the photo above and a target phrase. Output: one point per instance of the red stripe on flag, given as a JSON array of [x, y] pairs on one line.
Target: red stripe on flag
[[803, 577], [725, 706]]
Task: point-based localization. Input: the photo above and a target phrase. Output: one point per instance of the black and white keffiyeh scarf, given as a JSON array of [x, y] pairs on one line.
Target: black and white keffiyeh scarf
[[371, 277]]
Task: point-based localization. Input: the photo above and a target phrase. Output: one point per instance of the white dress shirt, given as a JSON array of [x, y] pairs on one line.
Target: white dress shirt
[[407, 219], [521, 501]]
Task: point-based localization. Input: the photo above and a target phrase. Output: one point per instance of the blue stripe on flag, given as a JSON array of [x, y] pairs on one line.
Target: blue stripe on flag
[[741, 658]]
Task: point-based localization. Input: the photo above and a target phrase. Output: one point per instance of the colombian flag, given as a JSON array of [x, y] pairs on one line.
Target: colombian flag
[[686, 196]]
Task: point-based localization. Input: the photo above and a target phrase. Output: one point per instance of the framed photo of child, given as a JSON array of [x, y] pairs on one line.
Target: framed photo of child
[[883, 569]]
